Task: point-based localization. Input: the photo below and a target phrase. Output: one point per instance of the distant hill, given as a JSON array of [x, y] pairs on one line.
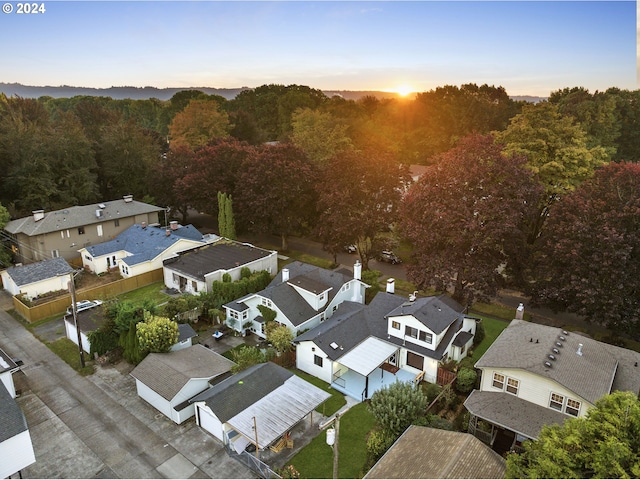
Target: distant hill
[[144, 93]]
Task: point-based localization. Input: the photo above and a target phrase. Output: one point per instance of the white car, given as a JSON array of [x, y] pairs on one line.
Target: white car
[[83, 305]]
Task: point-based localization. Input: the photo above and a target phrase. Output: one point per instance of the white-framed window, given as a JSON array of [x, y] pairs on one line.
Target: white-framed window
[[266, 302], [411, 332], [99, 228], [425, 336], [512, 385], [55, 253], [395, 325], [498, 381], [556, 401], [572, 408]]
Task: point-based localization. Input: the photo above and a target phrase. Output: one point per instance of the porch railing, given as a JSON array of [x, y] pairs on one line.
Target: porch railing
[[338, 380]]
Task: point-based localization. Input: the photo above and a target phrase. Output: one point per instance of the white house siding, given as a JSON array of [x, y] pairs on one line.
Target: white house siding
[[305, 361], [155, 400], [430, 366], [16, 453], [100, 264], [207, 420], [533, 388], [72, 334], [411, 321], [7, 379], [8, 284], [32, 290], [270, 264], [172, 280], [190, 390]]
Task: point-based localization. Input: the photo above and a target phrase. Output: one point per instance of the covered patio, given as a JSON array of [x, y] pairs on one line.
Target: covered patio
[[368, 368]]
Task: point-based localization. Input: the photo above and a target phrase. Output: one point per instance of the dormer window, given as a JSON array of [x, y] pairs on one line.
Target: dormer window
[[395, 325], [411, 332], [425, 337]]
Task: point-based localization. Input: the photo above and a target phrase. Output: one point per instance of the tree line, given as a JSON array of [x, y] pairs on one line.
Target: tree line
[[543, 197]]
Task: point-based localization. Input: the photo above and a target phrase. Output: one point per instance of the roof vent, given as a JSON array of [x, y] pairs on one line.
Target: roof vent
[[102, 205], [564, 332], [547, 364], [555, 350], [563, 338], [579, 352], [558, 344], [333, 345], [551, 357], [98, 213], [128, 198]]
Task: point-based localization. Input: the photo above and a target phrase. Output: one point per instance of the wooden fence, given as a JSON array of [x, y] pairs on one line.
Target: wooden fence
[[58, 305]]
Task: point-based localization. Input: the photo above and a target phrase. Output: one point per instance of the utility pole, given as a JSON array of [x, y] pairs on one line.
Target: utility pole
[[332, 439], [255, 429], [74, 309]]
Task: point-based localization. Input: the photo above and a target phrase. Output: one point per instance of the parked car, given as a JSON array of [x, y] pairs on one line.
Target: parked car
[[350, 248], [83, 305], [389, 257]]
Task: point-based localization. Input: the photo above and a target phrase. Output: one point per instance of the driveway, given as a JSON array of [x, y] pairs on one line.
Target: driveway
[[97, 427]]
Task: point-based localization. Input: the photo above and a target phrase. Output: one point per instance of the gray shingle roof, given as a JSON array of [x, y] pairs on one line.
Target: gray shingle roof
[[78, 216], [432, 312], [526, 346], [167, 373], [441, 454], [222, 255], [12, 420], [513, 413], [185, 332], [144, 243], [36, 272], [235, 394]]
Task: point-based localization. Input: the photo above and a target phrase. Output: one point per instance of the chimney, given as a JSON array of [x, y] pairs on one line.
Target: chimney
[[520, 312], [391, 285], [144, 225], [128, 198], [579, 352], [38, 215], [168, 232], [173, 224], [357, 270], [285, 274]]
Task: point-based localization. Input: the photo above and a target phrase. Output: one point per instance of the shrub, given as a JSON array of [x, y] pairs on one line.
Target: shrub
[[466, 380], [226, 277], [440, 423], [431, 391], [378, 442], [246, 357], [245, 272], [461, 422], [397, 406], [480, 334]]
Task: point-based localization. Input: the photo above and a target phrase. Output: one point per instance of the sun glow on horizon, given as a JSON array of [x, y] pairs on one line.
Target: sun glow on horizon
[[404, 90]]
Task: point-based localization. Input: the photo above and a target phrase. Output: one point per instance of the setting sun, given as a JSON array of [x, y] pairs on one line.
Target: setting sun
[[404, 90]]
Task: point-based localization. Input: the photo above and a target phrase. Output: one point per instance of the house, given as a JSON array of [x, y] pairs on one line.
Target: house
[[61, 233], [302, 296], [140, 248], [534, 375], [169, 380], [442, 454], [36, 279], [185, 337], [256, 406], [194, 270], [16, 449], [362, 349]]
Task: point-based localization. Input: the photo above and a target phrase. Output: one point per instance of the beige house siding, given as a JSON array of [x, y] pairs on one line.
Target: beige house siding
[[533, 388]]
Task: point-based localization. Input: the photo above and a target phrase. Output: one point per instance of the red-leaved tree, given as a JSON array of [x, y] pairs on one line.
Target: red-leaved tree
[[464, 218], [589, 258]]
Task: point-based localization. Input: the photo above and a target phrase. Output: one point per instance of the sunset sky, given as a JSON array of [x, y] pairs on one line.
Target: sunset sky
[[530, 48]]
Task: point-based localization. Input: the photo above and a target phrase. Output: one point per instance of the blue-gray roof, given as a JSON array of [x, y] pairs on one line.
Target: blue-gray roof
[[432, 312], [144, 243], [185, 332], [36, 272], [12, 420]]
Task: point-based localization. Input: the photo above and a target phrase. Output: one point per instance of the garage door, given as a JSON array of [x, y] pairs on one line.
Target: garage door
[[209, 422]]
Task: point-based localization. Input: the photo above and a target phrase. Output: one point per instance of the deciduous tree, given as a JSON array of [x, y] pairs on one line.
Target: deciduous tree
[[603, 444], [200, 122], [156, 334], [358, 196], [277, 194], [397, 406], [464, 218], [589, 256], [319, 134]]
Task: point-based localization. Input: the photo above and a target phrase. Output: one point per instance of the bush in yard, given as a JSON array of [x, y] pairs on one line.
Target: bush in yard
[[479, 335], [226, 277], [157, 334], [378, 442], [431, 391], [461, 422], [246, 357], [104, 339], [466, 380], [245, 272], [440, 423], [280, 337], [397, 406]]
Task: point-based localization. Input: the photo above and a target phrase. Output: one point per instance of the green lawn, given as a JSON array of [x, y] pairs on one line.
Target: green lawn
[[331, 405], [492, 328], [70, 353], [316, 459], [150, 292]]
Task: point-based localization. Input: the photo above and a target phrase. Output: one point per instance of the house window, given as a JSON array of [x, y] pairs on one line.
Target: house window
[[116, 222], [61, 234], [395, 325], [512, 385], [194, 284], [411, 332], [498, 381], [266, 302], [556, 401], [245, 315], [415, 361], [80, 230], [55, 253], [99, 228], [317, 360], [425, 337], [572, 408]]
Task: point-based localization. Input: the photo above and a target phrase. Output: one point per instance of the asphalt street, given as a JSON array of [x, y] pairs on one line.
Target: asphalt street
[[97, 426]]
